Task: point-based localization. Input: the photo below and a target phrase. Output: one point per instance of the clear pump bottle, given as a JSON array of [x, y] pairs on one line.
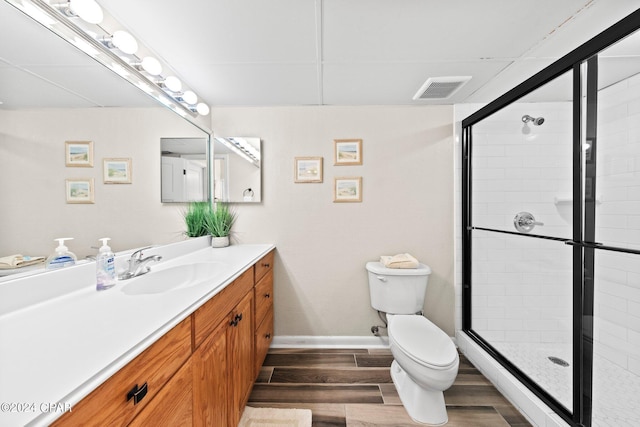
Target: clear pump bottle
[[105, 267], [61, 257]]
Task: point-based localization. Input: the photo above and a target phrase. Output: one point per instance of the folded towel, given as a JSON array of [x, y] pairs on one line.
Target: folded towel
[[399, 261], [18, 260]]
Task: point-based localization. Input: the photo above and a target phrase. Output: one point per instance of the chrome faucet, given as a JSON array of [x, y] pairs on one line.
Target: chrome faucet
[[138, 265]]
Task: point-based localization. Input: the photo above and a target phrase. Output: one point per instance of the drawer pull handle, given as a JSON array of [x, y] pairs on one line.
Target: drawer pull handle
[[267, 295], [137, 393], [236, 319]]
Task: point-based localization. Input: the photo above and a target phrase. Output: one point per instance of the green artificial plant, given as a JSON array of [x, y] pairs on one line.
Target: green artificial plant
[[195, 218], [219, 221]]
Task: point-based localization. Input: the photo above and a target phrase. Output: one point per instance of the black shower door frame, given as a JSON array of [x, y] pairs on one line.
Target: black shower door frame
[[583, 63]]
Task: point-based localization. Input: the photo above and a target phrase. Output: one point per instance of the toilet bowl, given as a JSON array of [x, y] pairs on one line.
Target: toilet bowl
[[425, 364], [425, 359]]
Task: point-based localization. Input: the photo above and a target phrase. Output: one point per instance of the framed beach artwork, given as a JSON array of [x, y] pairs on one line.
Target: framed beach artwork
[[347, 152], [347, 189], [116, 171], [79, 190], [79, 154], [308, 169]]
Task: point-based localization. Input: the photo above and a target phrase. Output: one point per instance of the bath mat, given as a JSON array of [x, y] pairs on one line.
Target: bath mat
[[275, 417]]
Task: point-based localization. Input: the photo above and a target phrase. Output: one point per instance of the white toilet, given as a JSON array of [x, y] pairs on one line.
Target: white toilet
[[425, 359]]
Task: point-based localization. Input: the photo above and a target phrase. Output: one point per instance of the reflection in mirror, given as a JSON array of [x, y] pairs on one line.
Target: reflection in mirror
[[237, 169], [51, 92], [184, 169]]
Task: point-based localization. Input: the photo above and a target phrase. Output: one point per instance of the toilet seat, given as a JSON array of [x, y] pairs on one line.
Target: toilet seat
[[422, 341]]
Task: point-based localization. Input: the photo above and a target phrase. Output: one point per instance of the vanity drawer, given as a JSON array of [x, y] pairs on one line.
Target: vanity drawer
[[209, 316], [263, 338], [149, 372], [264, 265], [264, 296]]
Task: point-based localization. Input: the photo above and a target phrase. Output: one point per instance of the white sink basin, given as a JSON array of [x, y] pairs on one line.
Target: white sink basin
[[172, 278]]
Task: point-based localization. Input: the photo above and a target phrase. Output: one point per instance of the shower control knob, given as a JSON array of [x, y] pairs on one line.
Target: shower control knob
[[524, 222]]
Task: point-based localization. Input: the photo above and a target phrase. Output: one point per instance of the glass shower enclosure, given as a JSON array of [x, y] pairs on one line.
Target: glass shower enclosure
[[551, 230]]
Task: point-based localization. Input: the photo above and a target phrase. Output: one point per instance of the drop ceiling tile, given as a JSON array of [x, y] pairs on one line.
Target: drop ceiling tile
[[215, 32], [377, 30], [258, 84], [23, 90], [396, 83]]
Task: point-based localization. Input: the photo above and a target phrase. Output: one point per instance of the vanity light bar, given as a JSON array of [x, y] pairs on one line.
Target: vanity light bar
[[57, 19], [243, 148]]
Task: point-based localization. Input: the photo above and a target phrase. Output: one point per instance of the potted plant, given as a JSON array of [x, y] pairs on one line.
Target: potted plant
[[195, 218], [218, 224]]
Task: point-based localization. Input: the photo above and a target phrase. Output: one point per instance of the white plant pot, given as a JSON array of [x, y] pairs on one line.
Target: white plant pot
[[220, 242]]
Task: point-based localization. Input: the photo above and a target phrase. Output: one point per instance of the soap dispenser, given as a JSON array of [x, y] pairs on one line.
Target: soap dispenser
[[62, 257], [105, 267]]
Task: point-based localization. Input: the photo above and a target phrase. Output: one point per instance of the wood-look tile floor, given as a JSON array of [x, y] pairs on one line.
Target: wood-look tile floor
[[353, 388]]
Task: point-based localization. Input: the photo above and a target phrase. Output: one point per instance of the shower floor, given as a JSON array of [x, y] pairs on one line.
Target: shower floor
[[616, 390]]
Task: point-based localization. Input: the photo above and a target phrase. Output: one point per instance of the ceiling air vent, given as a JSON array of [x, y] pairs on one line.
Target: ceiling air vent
[[440, 87]]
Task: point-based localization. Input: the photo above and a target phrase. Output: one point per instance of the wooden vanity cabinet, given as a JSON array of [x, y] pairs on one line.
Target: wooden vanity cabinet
[[223, 359], [263, 292], [199, 373], [240, 357], [210, 380], [115, 403]]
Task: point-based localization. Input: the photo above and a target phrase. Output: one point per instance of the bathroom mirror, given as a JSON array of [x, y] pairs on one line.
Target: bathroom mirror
[[51, 92], [184, 169], [237, 170]]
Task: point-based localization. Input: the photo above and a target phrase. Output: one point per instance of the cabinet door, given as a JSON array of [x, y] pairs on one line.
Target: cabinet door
[[173, 404], [240, 356], [210, 380], [264, 336]]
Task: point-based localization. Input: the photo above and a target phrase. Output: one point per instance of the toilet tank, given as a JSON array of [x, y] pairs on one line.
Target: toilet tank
[[397, 290]]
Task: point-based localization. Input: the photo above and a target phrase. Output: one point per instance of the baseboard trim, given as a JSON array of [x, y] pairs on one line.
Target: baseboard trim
[[311, 341]]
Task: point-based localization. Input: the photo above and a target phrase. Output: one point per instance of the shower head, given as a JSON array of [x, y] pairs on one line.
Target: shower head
[[537, 121]]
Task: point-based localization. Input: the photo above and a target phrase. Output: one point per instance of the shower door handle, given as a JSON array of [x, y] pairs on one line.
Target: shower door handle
[[591, 245], [524, 222]]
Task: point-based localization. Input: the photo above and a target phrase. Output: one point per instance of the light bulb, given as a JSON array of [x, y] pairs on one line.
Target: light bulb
[[151, 65], [202, 108], [190, 97], [125, 42], [88, 10], [173, 84]]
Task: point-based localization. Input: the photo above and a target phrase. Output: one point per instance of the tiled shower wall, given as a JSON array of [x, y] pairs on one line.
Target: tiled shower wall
[[617, 284], [521, 286]]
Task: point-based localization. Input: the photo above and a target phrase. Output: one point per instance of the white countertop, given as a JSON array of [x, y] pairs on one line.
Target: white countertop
[[55, 351]]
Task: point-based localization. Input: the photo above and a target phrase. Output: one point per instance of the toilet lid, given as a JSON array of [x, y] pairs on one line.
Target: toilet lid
[[423, 341]]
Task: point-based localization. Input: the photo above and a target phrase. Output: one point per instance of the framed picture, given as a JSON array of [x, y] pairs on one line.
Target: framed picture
[[116, 171], [308, 169], [80, 190], [347, 189], [347, 152], [79, 154]]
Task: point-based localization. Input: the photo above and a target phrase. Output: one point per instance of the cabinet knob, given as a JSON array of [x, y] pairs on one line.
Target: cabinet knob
[[266, 265], [267, 295], [268, 336], [137, 393]]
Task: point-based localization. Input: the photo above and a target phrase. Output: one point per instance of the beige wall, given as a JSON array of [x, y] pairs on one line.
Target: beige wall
[[321, 281], [33, 173]]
